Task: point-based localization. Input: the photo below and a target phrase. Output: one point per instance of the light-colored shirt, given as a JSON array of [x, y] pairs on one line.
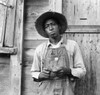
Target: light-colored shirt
[[75, 57]]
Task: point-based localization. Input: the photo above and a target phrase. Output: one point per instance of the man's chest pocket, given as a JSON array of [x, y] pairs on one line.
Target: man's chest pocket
[[56, 58]]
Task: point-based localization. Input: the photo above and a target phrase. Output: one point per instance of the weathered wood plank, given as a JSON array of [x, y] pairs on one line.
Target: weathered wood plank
[[97, 63], [10, 24], [4, 74], [6, 50], [32, 43], [32, 10], [55, 5], [3, 15], [29, 87], [16, 60], [37, 2], [85, 12]]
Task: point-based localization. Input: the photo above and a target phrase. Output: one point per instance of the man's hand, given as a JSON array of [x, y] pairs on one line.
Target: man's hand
[[44, 74], [47, 74], [63, 72], [52, 75]]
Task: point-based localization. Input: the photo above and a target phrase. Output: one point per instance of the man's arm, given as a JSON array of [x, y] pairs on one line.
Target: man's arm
[[36, 65], [38, 74], [79, 69]]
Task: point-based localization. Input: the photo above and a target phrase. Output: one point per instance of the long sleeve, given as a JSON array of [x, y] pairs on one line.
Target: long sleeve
[[78, 69], [36, 65], [37, 60]]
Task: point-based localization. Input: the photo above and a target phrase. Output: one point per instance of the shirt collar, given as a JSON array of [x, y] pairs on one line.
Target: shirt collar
[[60, 42]]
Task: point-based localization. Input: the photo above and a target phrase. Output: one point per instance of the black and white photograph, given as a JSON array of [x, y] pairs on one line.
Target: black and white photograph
[[49, 47]]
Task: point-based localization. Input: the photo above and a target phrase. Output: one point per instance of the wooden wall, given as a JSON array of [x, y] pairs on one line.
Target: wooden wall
[[87, 36], [82, 12], [90, 85], [33, 8], [90, 47], [11, 44], [2, 21], [4, 58], [4, 74]]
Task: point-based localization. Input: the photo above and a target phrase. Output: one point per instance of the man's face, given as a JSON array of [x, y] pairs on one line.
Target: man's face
[[52, 28]]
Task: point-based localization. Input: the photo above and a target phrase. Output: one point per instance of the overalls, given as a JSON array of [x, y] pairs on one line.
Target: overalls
[[56, 58]]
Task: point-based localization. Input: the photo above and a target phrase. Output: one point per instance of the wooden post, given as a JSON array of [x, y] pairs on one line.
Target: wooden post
[[16, 60]]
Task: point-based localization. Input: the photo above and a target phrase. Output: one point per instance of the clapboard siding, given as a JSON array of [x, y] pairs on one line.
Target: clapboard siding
[[37, 2], [29, 44]]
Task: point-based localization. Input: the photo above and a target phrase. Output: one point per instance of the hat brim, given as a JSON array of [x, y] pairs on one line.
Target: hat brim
[[59, 17]]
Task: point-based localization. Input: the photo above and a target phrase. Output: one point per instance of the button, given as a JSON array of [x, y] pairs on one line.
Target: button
[[56, 58]]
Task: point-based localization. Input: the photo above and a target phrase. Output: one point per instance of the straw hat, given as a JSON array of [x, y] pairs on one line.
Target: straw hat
[[39, 24]]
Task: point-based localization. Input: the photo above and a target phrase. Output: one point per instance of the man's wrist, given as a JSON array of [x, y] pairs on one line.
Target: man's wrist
[[52, 75]]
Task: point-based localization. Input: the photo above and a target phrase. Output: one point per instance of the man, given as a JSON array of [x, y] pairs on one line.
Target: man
[[58, 62]]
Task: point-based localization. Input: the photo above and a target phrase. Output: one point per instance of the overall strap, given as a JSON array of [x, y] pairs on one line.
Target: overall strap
[[64, 39]]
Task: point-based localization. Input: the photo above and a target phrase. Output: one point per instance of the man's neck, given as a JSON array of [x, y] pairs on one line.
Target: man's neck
[[55, 40]]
